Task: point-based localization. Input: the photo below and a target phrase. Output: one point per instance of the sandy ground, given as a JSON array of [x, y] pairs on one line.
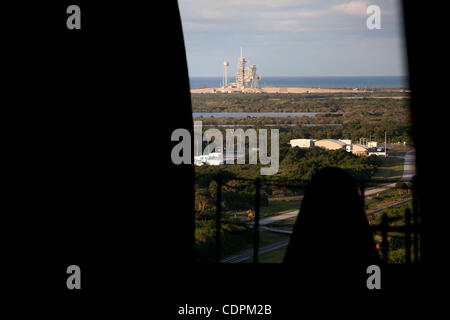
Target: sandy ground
[[279, 90]]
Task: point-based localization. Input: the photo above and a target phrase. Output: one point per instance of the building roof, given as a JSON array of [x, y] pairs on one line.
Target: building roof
[[300, 140], [333, 141], [360, 147]]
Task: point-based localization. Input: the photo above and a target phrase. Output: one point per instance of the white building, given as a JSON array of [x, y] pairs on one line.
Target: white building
[[360, 149], [330, 144], [346, 141], [212, 159], [372, 144], [302, 143]]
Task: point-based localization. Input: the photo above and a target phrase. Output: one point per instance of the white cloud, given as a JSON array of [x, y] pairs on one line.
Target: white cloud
[[212, 14], [264, 3], [353, 8], [311, 14], [272, 15]]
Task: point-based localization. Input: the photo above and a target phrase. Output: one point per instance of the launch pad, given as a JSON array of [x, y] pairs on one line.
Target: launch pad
[[246, 77]]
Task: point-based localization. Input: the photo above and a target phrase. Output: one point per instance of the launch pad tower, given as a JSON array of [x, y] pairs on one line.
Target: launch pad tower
[[246, 77]]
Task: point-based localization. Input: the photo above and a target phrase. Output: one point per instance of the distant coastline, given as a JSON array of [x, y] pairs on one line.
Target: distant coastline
[[299, 90], [369, 82]]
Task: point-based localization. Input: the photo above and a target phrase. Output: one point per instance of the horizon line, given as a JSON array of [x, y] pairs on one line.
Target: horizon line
[[308, 76]]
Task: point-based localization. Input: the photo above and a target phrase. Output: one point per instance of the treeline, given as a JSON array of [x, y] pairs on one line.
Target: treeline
[[301, 164], [262, 121], [396, 132], [354, 107], [235, 196]]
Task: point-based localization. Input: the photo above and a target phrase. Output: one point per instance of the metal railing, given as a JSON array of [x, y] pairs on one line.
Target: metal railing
[[410, 230]]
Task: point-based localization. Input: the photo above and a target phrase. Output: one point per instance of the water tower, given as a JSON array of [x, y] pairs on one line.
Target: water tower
[[225, 74]]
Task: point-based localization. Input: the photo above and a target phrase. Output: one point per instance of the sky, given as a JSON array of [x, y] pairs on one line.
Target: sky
[[293, 37]]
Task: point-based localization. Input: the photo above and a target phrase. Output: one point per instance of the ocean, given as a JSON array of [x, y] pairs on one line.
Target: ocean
[[312, 82]]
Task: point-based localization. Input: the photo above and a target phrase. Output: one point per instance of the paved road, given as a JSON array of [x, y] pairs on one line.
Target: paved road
[[398, 204], [249, 253], [409, 170], [295, 213], [369, 192], [275, 230], [409, 166], [279, 217]]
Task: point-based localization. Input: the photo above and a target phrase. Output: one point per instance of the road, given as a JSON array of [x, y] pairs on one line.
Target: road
[[275, 230], [398, 204], [249, 253], [279, 217], [409, 166], [409, 170], [288, 215]]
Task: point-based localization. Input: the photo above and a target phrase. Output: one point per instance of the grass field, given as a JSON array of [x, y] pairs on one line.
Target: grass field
[[266, 238], [276, 206], [281, 205], [287, 224], [275, 256], [386, 198], [391, 168]]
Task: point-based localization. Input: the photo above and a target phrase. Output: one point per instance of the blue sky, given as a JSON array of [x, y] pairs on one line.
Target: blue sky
[[293, 37]]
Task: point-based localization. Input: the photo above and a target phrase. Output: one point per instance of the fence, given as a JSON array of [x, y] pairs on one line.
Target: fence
[[410, 230]]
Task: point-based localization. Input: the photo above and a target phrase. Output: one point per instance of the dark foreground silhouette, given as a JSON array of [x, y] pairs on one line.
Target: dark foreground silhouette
[[332, 233]]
